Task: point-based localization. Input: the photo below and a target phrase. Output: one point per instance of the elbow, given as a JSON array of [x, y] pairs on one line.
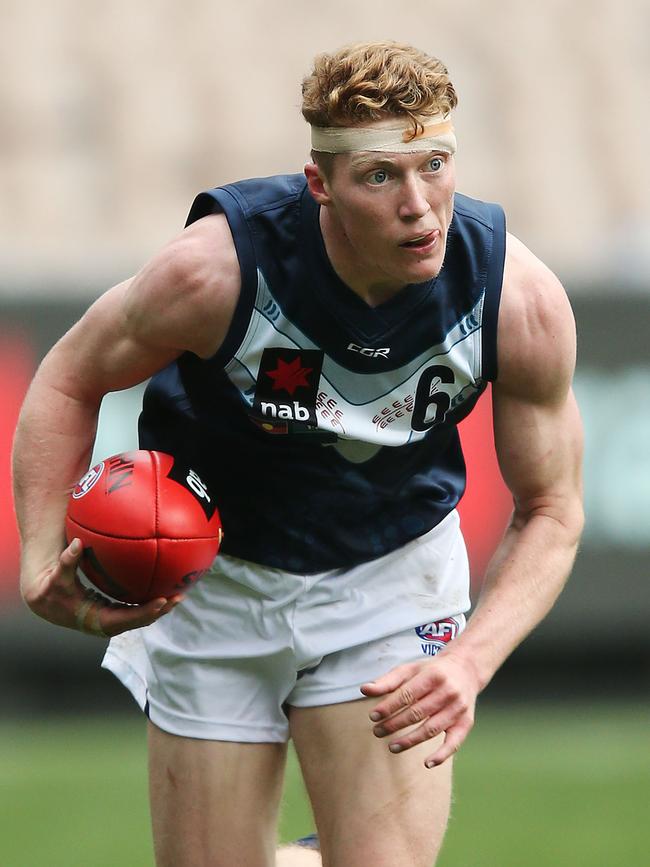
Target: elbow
[[61, 382], [565, 514], [575, 524]]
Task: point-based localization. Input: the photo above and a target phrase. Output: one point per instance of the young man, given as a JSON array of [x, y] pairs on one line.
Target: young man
[[313, 343]]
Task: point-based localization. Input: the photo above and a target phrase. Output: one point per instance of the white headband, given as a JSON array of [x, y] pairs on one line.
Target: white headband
[[437, 135]]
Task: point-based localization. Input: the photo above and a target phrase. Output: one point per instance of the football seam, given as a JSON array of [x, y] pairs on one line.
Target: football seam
[[141, 538], [156, 476]]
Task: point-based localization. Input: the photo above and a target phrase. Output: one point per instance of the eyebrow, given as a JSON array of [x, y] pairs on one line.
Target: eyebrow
[[377, 159], [373, 160]]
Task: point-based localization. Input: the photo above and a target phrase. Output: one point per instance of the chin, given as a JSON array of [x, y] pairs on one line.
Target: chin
[[425, 271]]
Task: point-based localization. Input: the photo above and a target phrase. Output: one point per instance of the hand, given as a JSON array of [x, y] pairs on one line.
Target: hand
[[438, 693], [57, 595]]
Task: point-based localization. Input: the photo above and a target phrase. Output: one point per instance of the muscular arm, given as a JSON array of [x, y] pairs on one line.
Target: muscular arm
[[182, 300], [538, 437]]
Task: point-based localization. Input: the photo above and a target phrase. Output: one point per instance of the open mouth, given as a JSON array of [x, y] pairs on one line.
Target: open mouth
[[421, 242]]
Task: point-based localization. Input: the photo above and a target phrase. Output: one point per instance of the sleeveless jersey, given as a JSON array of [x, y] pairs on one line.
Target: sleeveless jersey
[[326, 428]]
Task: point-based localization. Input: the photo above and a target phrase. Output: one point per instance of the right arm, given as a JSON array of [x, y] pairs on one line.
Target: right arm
[[183, 300]]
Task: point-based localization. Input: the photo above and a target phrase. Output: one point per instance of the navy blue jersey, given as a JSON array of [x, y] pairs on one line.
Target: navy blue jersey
[[326, 428]]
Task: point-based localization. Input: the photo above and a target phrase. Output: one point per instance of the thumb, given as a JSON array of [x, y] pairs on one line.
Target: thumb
[[65, 571], [70, 555]]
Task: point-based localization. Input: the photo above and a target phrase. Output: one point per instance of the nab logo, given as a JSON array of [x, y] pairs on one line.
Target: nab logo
[[368, 351], [286, 411], [287, 385]]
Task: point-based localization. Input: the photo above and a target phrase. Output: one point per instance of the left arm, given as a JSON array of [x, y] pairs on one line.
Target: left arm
[[538, 437]]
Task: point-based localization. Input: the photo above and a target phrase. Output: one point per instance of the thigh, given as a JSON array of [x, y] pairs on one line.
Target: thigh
[[220, 666], [214, 803], [371, 807]]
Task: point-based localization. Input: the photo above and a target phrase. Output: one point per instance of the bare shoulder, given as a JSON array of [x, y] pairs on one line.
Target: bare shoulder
[[185, 296], [182, 300], [536, 335]]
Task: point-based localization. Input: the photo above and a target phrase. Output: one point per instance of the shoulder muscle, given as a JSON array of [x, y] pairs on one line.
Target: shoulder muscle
[[185, 297], [536, 335], [182, 300]]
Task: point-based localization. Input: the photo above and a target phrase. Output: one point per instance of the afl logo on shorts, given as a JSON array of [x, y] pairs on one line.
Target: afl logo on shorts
[[435, 636], [88, 481]]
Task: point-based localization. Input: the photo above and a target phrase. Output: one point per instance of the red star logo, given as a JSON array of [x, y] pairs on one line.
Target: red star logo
[[289, 376]]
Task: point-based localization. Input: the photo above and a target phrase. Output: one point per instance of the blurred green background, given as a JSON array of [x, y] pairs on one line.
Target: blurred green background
[[535, 786]]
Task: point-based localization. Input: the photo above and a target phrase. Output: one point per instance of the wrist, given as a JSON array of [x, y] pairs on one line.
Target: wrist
[[477, 663]]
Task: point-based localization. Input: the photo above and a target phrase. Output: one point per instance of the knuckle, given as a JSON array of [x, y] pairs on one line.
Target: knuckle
[[405, 696], [416, 714], [465, 711], [468, 725], [431, 729]]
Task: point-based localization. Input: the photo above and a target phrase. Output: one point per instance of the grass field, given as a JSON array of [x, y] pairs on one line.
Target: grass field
[[535, 787]]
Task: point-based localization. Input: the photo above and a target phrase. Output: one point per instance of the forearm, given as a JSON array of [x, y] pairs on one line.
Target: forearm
[[52, 448], [523, 581]]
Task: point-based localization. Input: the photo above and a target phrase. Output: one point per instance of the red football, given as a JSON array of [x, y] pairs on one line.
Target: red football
[[147, 523]]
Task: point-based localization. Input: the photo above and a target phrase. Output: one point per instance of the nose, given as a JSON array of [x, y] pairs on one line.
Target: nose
[[414, 203]]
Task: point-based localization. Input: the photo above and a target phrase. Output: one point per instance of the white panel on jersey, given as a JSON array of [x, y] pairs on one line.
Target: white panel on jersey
[[374, 408]]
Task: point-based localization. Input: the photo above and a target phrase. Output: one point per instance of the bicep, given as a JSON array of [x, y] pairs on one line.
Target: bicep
[[102, 353], [182, 300], [538, 432], [539, 447]]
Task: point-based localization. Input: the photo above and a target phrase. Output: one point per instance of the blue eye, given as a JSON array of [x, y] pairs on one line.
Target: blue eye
[[436, 164], [378, 177]]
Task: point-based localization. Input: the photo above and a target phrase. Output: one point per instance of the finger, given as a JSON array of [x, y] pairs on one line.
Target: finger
[[390, 681], [409, 716], [405, 696], [430, 728], [116, 619], [438, 697], [96, 614], [169, 605], [453, 740], [175, 600], [87, 616]]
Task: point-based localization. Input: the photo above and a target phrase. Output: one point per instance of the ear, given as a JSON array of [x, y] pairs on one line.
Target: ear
[[317, 184]]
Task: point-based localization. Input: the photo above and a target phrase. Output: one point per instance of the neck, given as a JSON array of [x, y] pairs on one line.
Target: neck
[[371, 286]]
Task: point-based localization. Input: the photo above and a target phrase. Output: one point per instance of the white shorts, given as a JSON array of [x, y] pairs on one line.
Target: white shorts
[[249, 640]]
